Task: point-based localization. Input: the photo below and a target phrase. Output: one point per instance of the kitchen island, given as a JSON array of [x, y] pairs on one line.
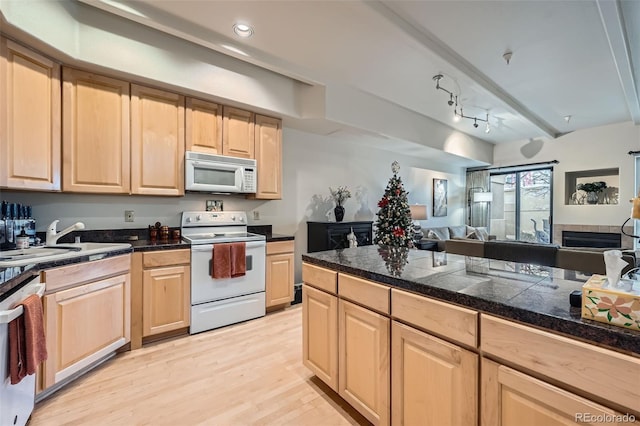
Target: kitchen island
[[409, 335]]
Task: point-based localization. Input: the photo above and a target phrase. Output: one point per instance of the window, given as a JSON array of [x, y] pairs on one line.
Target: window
[[522, 205]]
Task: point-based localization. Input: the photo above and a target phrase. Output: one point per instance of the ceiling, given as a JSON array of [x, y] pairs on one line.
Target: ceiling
[[569, 58]]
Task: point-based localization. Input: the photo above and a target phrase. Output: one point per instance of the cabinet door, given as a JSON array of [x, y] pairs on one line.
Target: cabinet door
[[320, 334], [363, 235], [85, 323], [268, 146], [434, 382], [29, 119], [166, 295], [511, 398], [279, 279], [237, 133], [364, 363], [157, 142], [95, 133], [204, 127]]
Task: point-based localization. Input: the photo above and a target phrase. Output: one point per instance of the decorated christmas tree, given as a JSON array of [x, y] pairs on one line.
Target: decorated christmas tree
[[393, 227]]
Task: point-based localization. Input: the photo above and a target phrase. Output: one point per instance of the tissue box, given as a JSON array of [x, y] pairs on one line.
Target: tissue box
[[615, 306]]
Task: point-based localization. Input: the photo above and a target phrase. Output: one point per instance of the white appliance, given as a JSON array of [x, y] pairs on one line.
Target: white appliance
[[16, 401], [219, 302], [217, 173]]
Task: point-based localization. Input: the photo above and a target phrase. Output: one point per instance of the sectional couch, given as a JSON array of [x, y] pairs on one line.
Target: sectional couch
[[439, 235], [589, 260]]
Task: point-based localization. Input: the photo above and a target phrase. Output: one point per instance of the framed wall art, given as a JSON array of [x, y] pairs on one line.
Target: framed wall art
[[439, 197]]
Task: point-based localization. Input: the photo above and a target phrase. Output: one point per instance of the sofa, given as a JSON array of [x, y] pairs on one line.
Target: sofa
[[582, 259], [439, 235]]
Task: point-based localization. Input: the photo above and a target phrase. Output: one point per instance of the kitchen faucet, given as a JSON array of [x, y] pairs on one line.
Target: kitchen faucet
[[52, 236]]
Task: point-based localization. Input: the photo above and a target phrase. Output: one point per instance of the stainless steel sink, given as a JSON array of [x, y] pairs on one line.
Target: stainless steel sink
[[21, 257]]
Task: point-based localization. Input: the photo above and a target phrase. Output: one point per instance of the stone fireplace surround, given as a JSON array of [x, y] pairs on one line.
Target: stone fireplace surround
[[627, 242]]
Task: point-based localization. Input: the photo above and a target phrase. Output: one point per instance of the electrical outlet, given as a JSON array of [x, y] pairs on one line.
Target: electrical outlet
[[129, 216], [256, 215]]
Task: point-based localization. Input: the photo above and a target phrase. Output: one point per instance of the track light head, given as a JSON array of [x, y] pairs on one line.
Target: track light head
[[475, 123], [450, 102]]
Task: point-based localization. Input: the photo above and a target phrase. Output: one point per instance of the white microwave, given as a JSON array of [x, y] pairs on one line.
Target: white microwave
[[217, 173]]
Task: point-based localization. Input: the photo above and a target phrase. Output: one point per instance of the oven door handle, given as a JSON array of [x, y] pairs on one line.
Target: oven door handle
[[209, 247], [8, 316]]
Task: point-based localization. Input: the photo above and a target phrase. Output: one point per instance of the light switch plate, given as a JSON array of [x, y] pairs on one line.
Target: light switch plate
[[129, 216], [256, 215]]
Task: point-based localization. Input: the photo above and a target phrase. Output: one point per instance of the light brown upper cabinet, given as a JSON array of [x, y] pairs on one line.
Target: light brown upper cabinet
[[29, 119], [204, 126], [157, 142], [95, 133], [268, 146], [237, 133]]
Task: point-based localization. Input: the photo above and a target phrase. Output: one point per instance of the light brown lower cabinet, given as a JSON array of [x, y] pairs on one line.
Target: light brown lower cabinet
[[84, 324], [434, 382], [320, 334], [166, 291], [512, 398], [279, 273], [363, 367]]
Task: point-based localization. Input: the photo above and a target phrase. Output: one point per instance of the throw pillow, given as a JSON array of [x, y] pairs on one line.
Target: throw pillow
[[472, 235], [482, 233], [433, 236], [458, 231]]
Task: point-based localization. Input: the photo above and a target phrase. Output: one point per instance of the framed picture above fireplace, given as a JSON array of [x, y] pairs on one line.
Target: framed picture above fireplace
[[592, 187]]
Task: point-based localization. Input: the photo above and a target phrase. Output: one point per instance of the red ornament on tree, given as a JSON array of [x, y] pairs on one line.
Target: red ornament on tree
[[398, 232], [383, 202]]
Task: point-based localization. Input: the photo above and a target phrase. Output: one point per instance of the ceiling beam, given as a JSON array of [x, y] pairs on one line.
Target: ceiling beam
[[434, 44], [614, 27]]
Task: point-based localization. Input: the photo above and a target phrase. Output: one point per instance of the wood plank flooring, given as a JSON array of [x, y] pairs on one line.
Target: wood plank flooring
[[246, 374]]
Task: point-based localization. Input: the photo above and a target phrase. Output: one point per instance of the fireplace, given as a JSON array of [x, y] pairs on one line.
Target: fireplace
[[591, 239]]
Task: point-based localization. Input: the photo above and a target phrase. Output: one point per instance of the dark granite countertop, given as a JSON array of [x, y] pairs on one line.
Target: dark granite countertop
[[266, 231], [530, 294], [12, 279]]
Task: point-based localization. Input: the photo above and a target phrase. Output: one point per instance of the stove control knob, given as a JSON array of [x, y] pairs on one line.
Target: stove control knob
[[233, 218], [241, 219], [188, 219], [199, 217]]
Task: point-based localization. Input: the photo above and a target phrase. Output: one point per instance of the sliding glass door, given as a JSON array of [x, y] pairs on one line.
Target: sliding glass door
[[521, 207]]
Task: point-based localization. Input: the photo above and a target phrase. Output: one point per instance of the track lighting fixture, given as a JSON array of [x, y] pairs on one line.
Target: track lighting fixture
[[453, 101]]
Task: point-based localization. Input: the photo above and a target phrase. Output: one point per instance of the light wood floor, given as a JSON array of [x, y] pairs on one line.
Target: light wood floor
[[246, 374]]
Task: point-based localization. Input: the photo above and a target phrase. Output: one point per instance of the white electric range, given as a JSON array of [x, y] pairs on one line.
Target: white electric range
[[219, 302]]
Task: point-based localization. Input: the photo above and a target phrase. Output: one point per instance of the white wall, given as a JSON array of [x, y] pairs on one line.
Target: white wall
[[311, 164], [589, 149]]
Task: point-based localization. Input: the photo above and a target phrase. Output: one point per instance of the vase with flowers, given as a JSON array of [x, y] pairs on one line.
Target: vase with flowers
[[340, 195], [592, 189]]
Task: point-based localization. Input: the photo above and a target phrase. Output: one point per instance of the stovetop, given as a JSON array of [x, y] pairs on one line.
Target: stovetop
[[203, 227], [227, 237]]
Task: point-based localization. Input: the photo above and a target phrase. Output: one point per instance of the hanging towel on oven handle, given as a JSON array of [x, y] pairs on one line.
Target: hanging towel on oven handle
[[228, 260]]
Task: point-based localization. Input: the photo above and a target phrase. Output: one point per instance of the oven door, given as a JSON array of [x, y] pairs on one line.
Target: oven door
[[204, 288], [211, 176]]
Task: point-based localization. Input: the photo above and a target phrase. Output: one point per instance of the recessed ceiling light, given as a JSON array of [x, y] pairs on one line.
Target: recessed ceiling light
[[242, 30], [567, 118]]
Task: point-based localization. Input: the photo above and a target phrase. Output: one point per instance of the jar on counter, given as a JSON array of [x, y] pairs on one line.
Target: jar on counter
[[22, 240], [164, 232]]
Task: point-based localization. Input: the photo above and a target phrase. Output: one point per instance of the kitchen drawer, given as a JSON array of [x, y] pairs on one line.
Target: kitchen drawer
[[607, 374], [321, 278], [79, 273], [165, 257], [440, 318], [278, 247], [365, 293]]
